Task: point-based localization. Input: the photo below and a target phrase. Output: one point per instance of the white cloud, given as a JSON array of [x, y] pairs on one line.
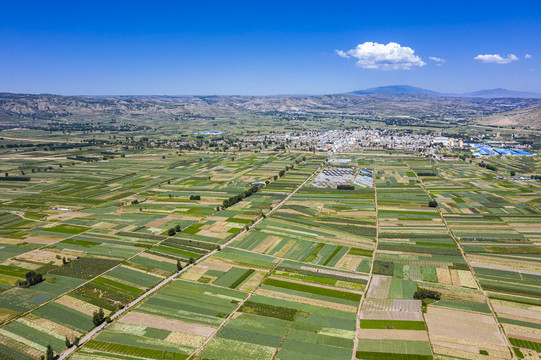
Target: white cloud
[[439, 61], [371, 55], [528, 56], [496, 58], [342, 54]]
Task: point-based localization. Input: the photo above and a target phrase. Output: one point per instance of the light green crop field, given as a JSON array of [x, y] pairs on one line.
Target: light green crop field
[[325, 274]]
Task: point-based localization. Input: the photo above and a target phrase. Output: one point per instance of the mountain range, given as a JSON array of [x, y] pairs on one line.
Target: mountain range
[[412, 90]]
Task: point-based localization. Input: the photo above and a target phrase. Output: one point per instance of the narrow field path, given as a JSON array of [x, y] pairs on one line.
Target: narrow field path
[[200, 348], [68, 352], [463, 253], [363, 296]]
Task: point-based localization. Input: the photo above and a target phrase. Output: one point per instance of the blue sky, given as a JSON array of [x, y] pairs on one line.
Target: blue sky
[[267, 47]]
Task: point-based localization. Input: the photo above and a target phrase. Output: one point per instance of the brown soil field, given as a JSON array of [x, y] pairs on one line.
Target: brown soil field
[[135, 318], [464, 330]]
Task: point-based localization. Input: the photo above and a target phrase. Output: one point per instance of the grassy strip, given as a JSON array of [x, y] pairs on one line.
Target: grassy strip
[[332, 255], [360, 252], [267, 310], [370, 355], [67, 229], [241, 279], [140, 235], [314, 253], [313, 289], [392, 324], [521, 323], [134, 350]]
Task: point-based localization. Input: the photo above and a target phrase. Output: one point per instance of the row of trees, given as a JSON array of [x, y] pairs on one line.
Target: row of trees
[[98, 317], [235, 199], [32, 278], [488, 166], [252, 190], [172, 231], [49, 354], [74, 342]]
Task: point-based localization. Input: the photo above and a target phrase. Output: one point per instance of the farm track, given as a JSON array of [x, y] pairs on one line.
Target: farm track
[[86, 282], [363, 296], [200, 348], [83, 284], [69, 351], [485, 294]]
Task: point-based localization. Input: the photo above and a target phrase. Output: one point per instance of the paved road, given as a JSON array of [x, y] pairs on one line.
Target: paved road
[[66, 353], [463, 253]]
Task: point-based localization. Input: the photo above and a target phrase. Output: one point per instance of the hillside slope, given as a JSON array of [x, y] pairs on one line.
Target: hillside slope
[[526, 118]]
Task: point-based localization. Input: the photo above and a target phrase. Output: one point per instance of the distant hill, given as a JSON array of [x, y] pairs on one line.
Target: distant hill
[[501, 93], [32, 110], [396, 90], [412, 90]]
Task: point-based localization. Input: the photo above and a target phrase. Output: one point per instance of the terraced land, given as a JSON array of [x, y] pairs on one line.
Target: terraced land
[[368, 273]]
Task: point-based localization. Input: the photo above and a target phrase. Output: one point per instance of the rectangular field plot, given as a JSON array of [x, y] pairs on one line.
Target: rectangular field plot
[[266, 327]]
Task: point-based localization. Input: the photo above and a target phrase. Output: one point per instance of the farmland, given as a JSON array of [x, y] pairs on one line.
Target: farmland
[[366, 272]]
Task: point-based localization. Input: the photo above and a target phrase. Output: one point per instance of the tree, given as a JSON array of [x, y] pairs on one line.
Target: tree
[[513, 173], [98, 317], [171, 232], [68, 342], [179, 265], [49, 355], [177, 228], [421, 294], [433, 203], [32, 278], [64, 261], [192, 260]]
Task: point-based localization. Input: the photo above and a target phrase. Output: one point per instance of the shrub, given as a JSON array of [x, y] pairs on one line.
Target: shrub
[[98, 317], [422, 294], [32, 278], [433, 203]]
